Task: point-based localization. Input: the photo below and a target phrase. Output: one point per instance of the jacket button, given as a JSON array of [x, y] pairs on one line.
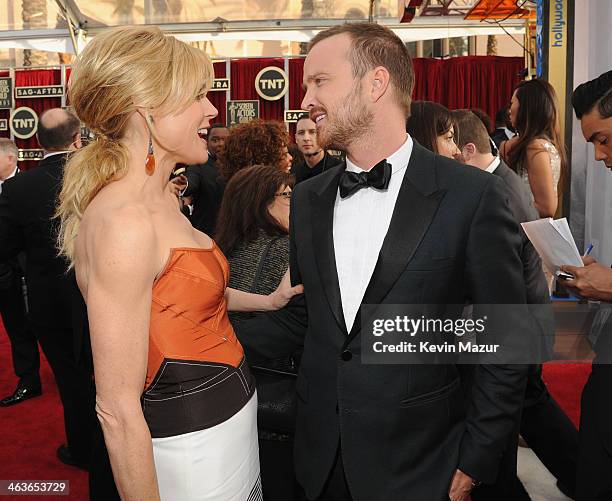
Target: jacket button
[[346, 355]]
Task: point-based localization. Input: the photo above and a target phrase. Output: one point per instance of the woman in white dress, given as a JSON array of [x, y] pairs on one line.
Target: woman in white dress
[[537, 154], [175, 399]]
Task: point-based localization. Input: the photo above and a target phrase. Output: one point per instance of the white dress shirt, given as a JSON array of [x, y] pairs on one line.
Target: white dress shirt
[[493, 165], [2, 180], [52, 153], [361, 222]]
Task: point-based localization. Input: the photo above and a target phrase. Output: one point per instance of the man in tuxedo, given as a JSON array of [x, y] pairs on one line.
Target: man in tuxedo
[[203, 184], [396, 224], [502, 130], [592, 102], [24, 348], [544, 425], [316, 159], [27, 206]]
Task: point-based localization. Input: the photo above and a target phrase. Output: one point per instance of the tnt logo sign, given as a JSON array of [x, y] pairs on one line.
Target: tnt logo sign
[[271, 83], [24, 122]]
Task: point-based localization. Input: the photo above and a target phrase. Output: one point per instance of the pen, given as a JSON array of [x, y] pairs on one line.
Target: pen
[[588, 251]]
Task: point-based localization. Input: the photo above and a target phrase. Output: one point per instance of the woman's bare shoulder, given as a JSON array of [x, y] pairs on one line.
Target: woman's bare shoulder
[[540, 145], [113, 231]]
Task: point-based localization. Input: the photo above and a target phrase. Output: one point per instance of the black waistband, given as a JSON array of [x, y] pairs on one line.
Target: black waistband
[[189, 396]]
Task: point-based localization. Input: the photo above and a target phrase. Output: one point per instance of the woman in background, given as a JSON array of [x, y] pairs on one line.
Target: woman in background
[[254, 218], [253, 231], [431, 125], [257, 142], [174, 396], [537, 154]]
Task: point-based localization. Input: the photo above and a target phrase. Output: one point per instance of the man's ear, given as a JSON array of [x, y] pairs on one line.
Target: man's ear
[[469, 150], [379, 82]]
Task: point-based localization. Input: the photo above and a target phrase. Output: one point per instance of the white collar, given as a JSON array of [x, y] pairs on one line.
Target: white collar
[[8, 177], [52, 153], [398, 160], [493, 165], [509, 133]]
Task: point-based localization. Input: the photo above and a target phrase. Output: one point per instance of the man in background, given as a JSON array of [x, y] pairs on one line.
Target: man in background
[[316, 159], [592, 102], [544, 426], [203, 185], [24, 348], [502, 130], [27, 207]]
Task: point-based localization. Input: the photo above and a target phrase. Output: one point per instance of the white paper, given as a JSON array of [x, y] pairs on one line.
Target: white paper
[[554, 242]]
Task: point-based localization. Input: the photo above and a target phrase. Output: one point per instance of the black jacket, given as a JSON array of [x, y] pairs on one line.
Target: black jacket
[[519, 201], [302, 172], [402, 429], [206, 188], [27, 205]]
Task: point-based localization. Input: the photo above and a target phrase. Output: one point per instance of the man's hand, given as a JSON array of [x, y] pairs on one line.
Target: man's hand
[[177, 185], [594, 281], [460, 487]]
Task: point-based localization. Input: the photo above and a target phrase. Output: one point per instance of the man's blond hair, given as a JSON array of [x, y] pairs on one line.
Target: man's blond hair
[[374, 45]]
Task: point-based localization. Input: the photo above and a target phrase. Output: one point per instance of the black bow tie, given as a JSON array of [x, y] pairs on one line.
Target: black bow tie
[[378, 177]]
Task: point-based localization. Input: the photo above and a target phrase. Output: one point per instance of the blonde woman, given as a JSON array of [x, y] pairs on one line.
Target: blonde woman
[[174, 396]]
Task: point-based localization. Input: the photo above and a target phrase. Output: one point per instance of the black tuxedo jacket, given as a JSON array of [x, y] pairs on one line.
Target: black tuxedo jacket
[[519, 201], [207, 190], [402, 429], [12, 269], [27, 205]]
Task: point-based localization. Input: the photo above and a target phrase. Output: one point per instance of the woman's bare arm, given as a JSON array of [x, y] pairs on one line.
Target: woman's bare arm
[[245, 301], [118, 296], [539, 172]]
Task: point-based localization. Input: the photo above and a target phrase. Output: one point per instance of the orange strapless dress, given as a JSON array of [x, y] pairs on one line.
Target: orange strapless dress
[[199, 397]]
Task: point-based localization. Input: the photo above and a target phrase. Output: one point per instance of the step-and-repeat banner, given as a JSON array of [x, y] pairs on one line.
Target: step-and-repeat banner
[[267, 88]]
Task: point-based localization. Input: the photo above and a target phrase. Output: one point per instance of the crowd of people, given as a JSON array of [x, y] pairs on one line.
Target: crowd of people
[[213, 284]]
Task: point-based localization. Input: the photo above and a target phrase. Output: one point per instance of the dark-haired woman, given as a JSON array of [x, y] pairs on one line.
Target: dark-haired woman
[[431, 125], [252, 230], [537, 154]]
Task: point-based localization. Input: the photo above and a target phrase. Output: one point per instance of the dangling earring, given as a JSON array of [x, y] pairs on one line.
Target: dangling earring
[[150, 163]]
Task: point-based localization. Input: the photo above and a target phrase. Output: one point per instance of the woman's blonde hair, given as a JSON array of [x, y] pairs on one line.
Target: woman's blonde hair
[[120, 70]]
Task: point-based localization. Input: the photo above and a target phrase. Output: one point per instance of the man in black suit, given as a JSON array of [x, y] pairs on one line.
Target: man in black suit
[[316, 159], [24, 348], [27, 206], [502, 130], [203, 183], [395, 225], [592, 102], [544, 425]]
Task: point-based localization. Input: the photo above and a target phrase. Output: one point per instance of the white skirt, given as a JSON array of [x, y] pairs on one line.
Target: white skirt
[[217, 464]]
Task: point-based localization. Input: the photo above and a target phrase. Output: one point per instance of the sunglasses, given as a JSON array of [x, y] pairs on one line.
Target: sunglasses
[[284, 194]]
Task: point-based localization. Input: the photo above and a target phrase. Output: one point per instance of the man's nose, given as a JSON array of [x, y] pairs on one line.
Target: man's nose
[[309, 101], [600, 154]]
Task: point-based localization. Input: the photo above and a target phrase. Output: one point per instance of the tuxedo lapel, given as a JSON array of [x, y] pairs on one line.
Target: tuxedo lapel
[[322, 203], [416, 206]]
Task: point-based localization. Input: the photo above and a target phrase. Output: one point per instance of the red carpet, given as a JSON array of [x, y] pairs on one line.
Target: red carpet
[[32, 431], [565, 382]]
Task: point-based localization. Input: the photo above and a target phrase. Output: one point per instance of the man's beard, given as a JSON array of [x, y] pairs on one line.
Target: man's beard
[[347, 124]]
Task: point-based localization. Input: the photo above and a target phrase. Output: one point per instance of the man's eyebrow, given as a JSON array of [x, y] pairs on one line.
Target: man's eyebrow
[[592, 138], [314, 76]]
